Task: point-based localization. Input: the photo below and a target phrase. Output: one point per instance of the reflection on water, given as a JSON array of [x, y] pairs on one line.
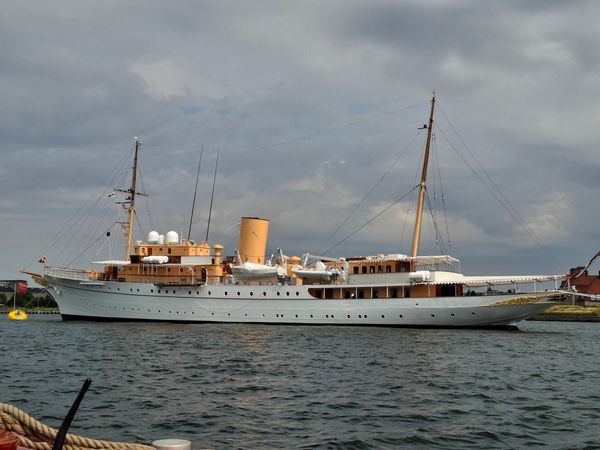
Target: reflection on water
[[256, 386]]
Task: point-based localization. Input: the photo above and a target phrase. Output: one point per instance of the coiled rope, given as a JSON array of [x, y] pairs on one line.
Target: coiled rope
[[37, 436]]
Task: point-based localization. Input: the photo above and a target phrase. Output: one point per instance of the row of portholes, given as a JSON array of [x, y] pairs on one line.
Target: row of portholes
[[209, 292], [279, 316]]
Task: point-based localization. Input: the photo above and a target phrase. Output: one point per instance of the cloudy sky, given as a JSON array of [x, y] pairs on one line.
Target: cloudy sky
[[311, 103]]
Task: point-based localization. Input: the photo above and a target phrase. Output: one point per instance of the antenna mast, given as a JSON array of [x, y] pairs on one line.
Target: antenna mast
[[195, 191], [212, 195], [422, 188]]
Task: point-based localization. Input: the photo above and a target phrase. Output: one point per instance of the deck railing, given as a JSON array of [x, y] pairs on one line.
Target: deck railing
[[70, 274]]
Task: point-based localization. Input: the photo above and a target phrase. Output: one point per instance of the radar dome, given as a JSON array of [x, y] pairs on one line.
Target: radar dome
[[153, 237], [172, 238]]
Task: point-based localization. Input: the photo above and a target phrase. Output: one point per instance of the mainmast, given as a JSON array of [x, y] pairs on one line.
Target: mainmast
[[130, 202], [422, 188]]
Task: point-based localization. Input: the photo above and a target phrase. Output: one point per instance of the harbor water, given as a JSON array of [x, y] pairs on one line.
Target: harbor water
[[257, 386]]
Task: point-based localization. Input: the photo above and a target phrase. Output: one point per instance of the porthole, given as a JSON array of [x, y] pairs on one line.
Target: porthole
[[297, 293], [170, 312], [138, 290], [173, 291], [197, 292], [296, 316], [118, 289], [452, 314], [189, 292], [225, 292], [246, 315], [332, 316], [472, 313], [148, 310], [251, 294], [276, 315], [152, 290], [360, 316], [400, 315], [365, 316], [433, 315], [327, 316], [311, 316], [159, 291], [228, 314], [212, 314], [382, 316], [264, 294], [263, 315], [278, 294], [209, 292], [238, 293], [348, 316], [287, 293], [130, 290]]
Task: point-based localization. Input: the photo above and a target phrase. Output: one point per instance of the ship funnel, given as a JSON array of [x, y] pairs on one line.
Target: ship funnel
[[254, 233]]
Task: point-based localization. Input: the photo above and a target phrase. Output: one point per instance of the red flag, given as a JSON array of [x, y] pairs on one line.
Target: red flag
[[21, 287]]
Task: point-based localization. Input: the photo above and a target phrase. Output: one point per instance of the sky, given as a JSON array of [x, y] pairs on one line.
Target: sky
[[315, 109]]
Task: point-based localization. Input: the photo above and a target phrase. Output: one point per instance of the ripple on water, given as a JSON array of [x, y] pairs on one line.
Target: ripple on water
[[253, 386]]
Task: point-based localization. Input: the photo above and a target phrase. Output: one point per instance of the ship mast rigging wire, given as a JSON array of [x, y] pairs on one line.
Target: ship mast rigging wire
[[212, 195], [493, 189], [372, 219]]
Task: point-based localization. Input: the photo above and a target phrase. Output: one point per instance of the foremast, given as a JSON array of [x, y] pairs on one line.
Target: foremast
[[129, 203], [423, 185]]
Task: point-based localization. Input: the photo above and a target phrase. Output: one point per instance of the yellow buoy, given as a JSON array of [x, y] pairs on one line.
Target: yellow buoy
[[17, 314]]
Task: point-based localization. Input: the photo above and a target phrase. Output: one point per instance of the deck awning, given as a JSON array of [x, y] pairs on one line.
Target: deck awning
[[112, 262]]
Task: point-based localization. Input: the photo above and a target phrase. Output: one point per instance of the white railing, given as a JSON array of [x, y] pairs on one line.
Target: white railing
[[69, 274]]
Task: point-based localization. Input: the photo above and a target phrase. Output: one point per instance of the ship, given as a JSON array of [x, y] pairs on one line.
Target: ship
[[166, 278]]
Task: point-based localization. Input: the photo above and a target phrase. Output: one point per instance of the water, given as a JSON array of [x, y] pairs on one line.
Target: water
[[256, 386]]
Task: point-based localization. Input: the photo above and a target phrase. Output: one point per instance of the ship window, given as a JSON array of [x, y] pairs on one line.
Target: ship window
[[297, 293], [401, 316], [278, 294], [197, 292], [169, 251], [359, 316], [355, 269], [251, 294], [433, 315], [393, 293], [365, 316], [348, 316], [364, 269], [372, 269], [452, 314], [327, 316], [159, 291], [379, 269], [189, 292], [208, 292], [228, 314], [264, 294], [382, 316], [238, 293], [173, 291], [296, 316], [311, 316], [287, 293], [169, 269], [225, 292]]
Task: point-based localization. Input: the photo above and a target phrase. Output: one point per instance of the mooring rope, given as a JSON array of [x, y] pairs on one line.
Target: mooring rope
[[37, 436]]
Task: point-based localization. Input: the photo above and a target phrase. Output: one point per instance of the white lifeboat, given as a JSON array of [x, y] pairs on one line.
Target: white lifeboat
[[317, 272], [254, 271]]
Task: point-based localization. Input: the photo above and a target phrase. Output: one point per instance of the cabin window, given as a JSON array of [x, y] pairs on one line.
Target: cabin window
[[393, 293], [379, 269], [355, 269], [372, 269], [361, 294], [364, 269], [375, 293], [388, 269]]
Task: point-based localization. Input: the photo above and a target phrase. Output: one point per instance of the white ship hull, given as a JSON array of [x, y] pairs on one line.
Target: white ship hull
[[278, 304]]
